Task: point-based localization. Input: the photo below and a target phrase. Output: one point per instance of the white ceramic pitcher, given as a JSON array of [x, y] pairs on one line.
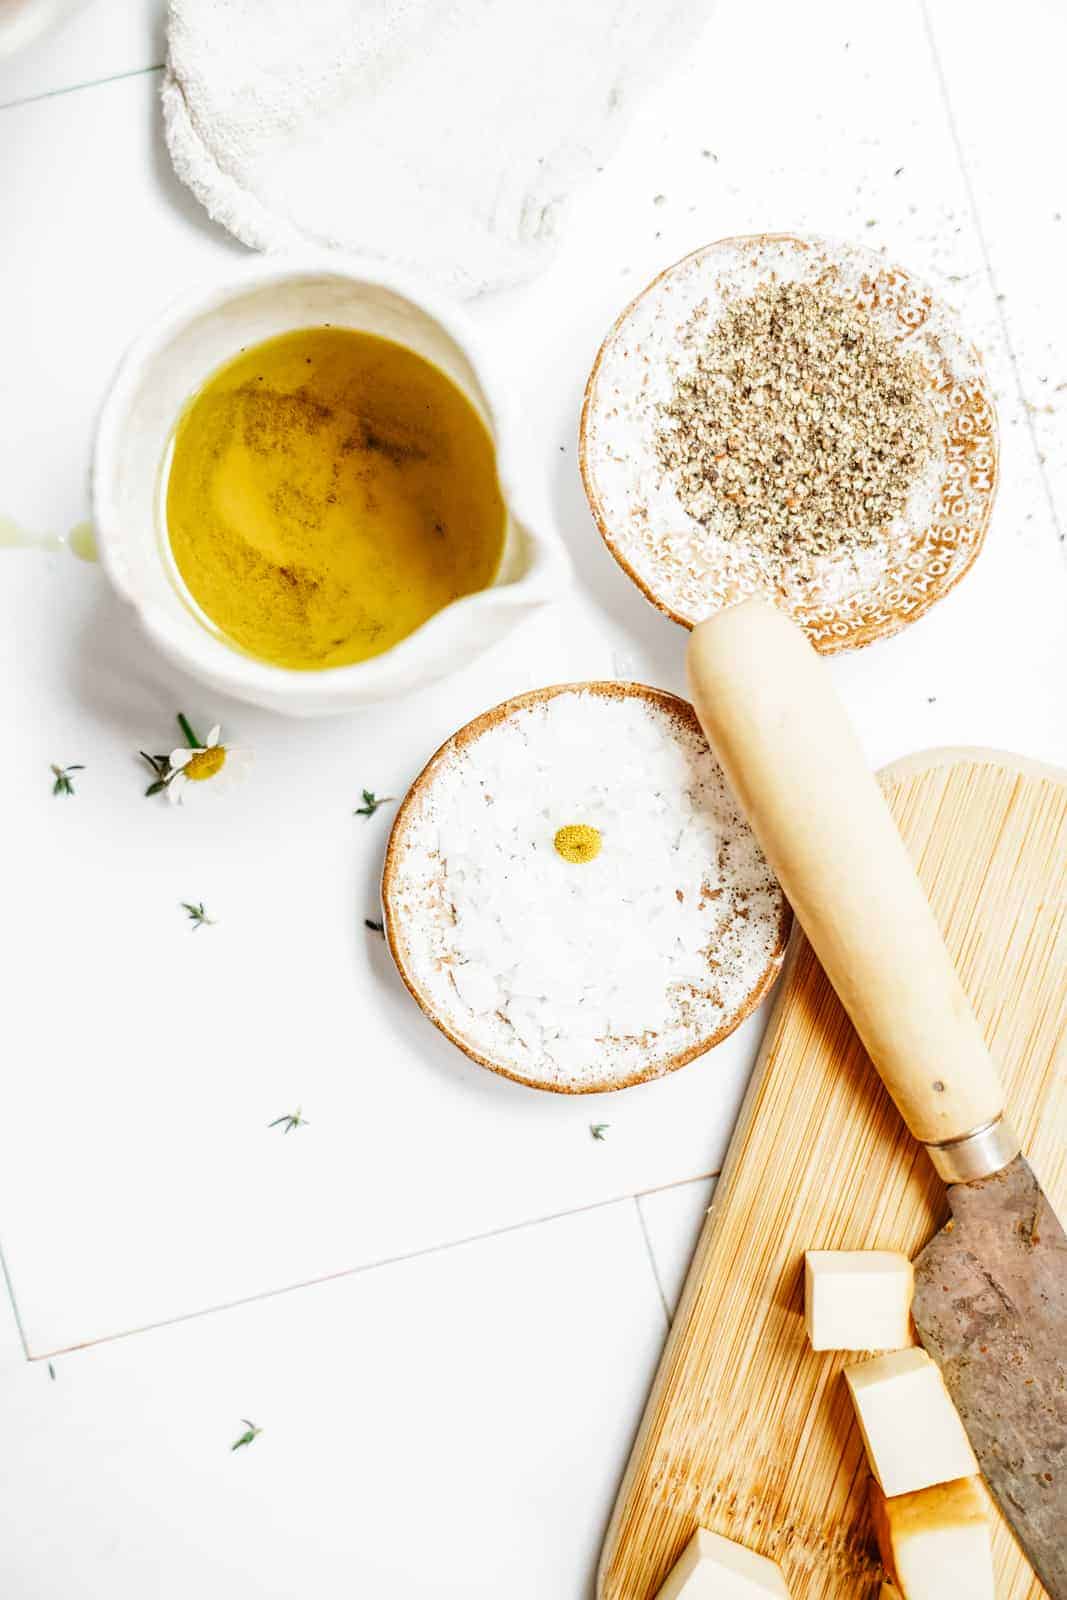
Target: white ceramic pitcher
[[171, 361]]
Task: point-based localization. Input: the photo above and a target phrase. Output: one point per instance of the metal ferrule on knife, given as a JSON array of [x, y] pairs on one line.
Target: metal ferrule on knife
[[975, 1155]]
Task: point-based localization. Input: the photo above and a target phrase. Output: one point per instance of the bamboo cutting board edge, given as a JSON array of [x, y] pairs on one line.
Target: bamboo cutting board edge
[[797, 981]]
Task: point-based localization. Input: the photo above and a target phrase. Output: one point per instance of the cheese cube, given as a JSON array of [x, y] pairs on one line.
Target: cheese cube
[[713, 1568], [858, 1299], [912, 1431], [935, 1543]]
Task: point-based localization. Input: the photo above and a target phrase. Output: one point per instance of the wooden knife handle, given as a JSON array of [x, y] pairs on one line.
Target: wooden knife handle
[[769, 710]]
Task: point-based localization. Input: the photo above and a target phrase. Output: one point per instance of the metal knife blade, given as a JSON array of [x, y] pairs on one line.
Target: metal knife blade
[[991, 1308]]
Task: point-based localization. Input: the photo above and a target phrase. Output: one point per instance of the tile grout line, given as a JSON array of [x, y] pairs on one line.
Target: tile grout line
[[10, 1287], [976, 218], [75, 88], [643, 1225], [352, 1272], [677, 1183]]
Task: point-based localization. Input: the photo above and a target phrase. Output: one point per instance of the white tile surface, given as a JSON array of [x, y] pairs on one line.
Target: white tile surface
[[450, 1427], [175, 1062], [866, 103], [99, 237], [12, 1350], [138, 1181], [100, 39], [1015, 166], [672, 1220], [179, 1047]]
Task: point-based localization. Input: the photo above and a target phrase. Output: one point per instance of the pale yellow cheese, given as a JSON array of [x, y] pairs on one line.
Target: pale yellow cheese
[[713, 1568], [935, 1542], [858, 1299], [912, 1431]]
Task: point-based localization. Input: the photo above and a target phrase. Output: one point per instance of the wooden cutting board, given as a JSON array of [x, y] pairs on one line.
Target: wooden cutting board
[[747, 1432]]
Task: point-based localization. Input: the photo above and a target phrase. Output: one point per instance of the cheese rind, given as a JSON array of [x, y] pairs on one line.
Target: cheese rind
[[911, 1429], [887, 1592], [858, 1299], [936, 1542], [713, 1568]]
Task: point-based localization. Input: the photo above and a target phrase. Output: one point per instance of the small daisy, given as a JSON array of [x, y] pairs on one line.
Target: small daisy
[[210, 768]]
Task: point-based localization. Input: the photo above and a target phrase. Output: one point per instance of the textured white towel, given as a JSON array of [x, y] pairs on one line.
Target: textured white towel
[[442, 134]]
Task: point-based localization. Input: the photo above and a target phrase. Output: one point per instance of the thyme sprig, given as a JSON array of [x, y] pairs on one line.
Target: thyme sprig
[[291, 1120], [371, 802], [599, 1129], [162, 768], [197, 915], [62, 784], [251, 1432]]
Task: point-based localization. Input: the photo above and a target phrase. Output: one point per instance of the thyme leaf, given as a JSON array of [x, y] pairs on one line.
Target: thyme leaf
[[599, 1129], [62, 784], [161, 766], [250, 1433], [292, 1119], [371, 802], [197, 915]]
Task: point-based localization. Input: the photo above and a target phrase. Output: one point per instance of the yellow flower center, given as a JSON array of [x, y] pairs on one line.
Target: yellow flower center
[[578, 842], [205, 763]]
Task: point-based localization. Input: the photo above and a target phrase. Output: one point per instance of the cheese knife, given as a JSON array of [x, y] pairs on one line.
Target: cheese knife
[[991, 1288]]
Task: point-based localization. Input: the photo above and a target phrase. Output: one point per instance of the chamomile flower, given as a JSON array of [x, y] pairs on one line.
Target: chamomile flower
[[210, 768]]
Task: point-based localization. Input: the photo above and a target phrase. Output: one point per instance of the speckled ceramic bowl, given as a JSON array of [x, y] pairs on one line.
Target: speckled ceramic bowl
[[739, 964], [690, 574]]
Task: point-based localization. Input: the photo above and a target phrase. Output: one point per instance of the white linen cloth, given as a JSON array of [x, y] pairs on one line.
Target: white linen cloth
[[445, 135]]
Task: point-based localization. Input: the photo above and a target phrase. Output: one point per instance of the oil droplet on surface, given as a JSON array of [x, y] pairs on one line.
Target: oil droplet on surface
[[81, 542], [13, 536]]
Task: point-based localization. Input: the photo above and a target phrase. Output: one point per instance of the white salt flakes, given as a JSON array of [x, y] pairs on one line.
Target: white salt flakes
[[582, 975]]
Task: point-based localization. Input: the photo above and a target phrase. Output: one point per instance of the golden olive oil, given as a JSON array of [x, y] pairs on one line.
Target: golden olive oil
[[328, 492]]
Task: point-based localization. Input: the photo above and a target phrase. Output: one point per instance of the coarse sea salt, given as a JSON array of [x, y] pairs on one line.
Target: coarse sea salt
[[594, 974]]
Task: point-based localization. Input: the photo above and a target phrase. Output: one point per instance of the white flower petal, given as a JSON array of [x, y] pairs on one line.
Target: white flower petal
[[179, 758], [213, 736], [175, 788], [193, 793]]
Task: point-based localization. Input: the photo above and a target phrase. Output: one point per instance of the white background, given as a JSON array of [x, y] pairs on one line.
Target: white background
[[453, 1421]]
